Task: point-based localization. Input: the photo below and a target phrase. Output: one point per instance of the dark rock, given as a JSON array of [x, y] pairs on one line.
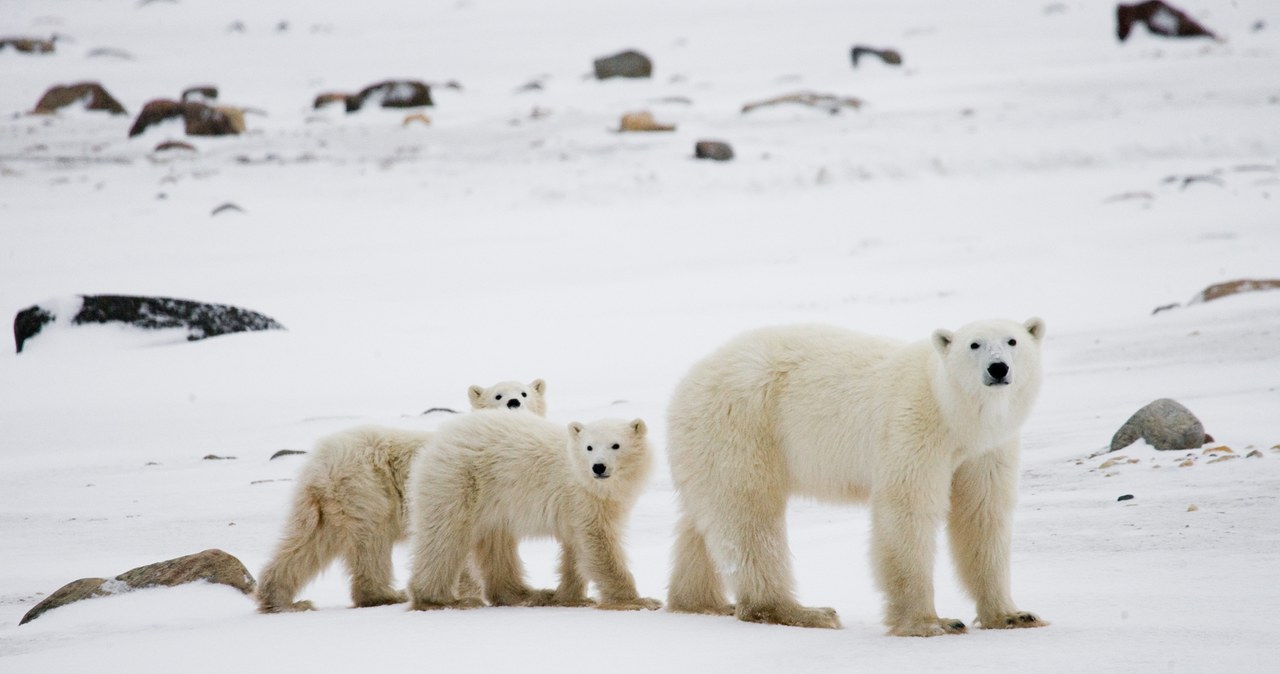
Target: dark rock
[[215, 457], [1125, 497], [213, 566], [889, 56], [29, 45], [630, 63], [329, 98], [89, 94], [1165, 424], [1220, 290], [712, 149], [227, 207], [170, 145], [446, 410], [198, 119], [392, 94], [200, 319], [201, 94], [285, 452], [1160, 18]]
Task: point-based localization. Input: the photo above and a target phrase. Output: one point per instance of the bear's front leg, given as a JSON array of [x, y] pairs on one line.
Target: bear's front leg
[[605, 564], [983, 493]]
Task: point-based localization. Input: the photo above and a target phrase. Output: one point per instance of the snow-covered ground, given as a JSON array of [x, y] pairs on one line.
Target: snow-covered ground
[[1017, 164]]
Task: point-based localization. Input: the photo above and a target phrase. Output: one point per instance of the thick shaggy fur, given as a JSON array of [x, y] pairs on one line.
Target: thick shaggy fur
[[349, 503], [489, 479], [926, 432]]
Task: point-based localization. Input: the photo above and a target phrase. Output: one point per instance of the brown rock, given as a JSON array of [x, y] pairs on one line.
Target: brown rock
[[1220, 290], [1192, 508], [213, 566], [29, 45], [1220, 449], [1160, 18], [889, 56], [1224, 457], [198, 119], [642, 121], [329, 98], [90, 94]]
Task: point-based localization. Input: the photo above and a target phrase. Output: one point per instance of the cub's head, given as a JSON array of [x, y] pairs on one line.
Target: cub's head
[[511, 395], [610, 451], [992, 355]]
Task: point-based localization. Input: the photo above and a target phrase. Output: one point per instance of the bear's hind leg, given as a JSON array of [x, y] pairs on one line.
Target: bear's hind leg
[[498, 557], [695, 585], [369, 563], [307, 546]]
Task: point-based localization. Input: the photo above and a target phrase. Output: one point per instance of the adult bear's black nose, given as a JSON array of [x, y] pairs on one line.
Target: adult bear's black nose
[[514, 403], [998, 371], [599, 469]]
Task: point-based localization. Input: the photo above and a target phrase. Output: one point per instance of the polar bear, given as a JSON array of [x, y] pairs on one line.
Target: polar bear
[[488, 479], [349, 503], [925, 432]]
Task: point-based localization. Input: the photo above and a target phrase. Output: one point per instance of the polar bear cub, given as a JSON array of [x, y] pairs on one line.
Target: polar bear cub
[[489, 479], [926, 432], [349, 503]]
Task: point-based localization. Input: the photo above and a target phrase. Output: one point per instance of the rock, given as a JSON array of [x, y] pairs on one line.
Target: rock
[[201, 94], [1228, 288], [1164, 424], [446, 410], [215, 457], [630, 63], [712, 149], [173, 145], [227, 207], [285, 452], [1255, 454], [1225, 457], [1126, 497], [198, 119], [90, 94], [1187, 463], [329, 98], [1221, 449], [642, 121], [1192, 508], [416, 117], [199, 319], [889, 56], [29, 45], [1160, 18], [213, 566]]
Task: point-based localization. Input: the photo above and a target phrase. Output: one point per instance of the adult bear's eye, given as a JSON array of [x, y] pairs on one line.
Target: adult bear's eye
[[617, 446], [1013, 342], [588, 448], [973, 345], [524, 395]]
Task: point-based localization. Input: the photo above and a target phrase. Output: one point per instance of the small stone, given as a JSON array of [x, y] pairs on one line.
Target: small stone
[[417, 117], [1111, 462], [1160, 18], [1220, 449], [215, 457], [286, 452], [1255, 454], [1187, 463], [889, 56], [642, 121], [712, 149], [1126, 497], [1192, 508], [1225, 457], [630, 63]]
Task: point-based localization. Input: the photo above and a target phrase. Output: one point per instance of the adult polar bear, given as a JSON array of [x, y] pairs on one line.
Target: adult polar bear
[[924, 431]]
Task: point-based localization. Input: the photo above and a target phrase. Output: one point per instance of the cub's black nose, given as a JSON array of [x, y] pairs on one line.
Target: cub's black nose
[[998, 371], [514, 403], [598, 469]]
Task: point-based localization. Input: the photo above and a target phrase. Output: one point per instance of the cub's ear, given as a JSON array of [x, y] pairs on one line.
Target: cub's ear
[[1035, 326], [942, 340], [538, 386], [638, 428], [575, 429], [476, 393]]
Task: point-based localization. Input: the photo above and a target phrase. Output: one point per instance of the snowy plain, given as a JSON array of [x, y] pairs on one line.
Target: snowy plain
[[1017, 164]]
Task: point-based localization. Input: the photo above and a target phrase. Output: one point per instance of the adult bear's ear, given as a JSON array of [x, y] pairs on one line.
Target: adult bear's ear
[[942, 340], [1035, 326], [475, 392], [538, 386], [575, 429], [638, 428]]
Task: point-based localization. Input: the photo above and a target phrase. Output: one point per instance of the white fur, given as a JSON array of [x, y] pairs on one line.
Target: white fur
[[840, 416], [349, 503], [489, 479]]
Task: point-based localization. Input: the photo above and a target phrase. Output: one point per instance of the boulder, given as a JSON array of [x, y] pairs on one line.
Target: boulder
[[712, 149], [630, 63], [1160, 18], [212, 566], [89, 94], [1164, 424], [199, 319]]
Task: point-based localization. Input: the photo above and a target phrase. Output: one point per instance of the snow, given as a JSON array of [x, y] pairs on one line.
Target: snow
[[519, 236]]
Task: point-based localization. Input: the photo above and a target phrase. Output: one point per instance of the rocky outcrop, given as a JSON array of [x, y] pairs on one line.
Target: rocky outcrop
[[211, 566], [1164, 424]]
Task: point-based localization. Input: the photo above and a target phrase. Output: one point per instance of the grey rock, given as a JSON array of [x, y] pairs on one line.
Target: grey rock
[[629, 63], [213, 566], [286, 452], [713, 149], [1164, 424]]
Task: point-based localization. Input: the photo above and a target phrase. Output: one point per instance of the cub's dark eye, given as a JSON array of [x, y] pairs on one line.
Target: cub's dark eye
[[973, 345], [1013, 342], [617, 446], [524, 395], [588, 448]]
